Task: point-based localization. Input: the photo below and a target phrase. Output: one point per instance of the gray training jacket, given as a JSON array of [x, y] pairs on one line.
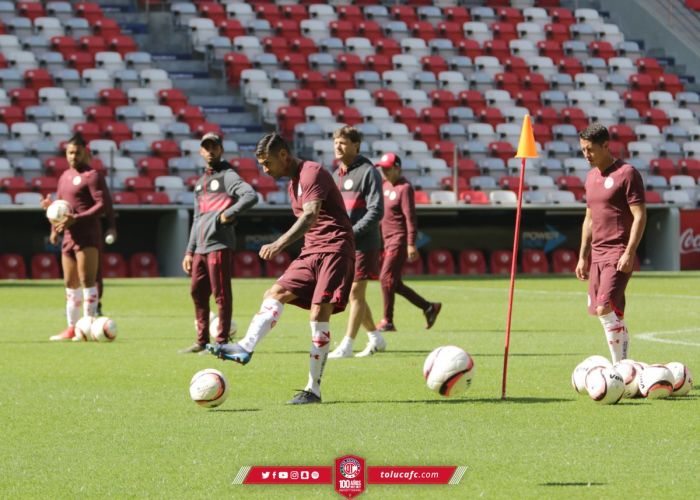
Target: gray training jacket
[[219, 190]]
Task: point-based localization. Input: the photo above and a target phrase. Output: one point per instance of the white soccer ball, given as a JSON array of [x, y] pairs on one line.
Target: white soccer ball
[[448, 370], [656, 382], [578, 376], [682, 378], [628, 372], [103, 329], [214, 328], [208, 388], [82, 329], [57, 211], [604, 385]]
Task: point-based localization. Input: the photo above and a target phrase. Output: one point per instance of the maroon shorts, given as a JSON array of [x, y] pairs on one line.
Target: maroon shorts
[[606, 287], [366, 265], [319, 278], [74, 241]]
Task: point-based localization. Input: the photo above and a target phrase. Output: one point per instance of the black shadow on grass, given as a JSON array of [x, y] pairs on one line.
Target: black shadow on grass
[[581, 483], [518, 400], [232, 410]]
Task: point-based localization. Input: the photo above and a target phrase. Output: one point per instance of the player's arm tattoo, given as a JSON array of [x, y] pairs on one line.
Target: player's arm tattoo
[[303, 224]]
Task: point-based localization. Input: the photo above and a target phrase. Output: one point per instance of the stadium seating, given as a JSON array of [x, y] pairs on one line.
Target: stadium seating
[[440, 262], [143, 265], [277, 265], [45, 266], [472, 262], [246, 264], [500, 261], [114, 265], [414, 268], [564, 260], [534, 262], [12, 266]]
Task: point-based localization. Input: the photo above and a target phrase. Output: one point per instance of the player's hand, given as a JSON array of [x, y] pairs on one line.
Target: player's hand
[[582, 269], [269, 252], [187, 264], [625, 264], [45, 202], [53, 238], [67, 222], [225, 220], [412, 253]]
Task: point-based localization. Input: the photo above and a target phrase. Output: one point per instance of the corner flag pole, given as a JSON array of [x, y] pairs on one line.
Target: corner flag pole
[[526, 149]]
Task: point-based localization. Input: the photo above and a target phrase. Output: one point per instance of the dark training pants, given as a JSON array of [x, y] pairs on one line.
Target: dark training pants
[[390, 279], [211, 273]]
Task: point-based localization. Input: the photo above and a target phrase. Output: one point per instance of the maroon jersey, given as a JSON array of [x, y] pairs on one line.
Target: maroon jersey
[[609, 196], [399, 221], [84, 189], [332, 232]]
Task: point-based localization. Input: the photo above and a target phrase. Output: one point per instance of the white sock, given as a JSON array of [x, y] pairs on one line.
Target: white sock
[[320, 345], [74, 299], [375, 337], [262, 322], [616, 334], [90, 300]]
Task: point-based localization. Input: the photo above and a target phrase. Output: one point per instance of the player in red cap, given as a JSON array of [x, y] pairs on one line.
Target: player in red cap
[[612, 229], [86, 192], [399, 236]]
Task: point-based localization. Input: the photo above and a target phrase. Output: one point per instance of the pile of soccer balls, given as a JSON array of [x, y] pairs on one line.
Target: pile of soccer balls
[[607, 384], [100, 329]]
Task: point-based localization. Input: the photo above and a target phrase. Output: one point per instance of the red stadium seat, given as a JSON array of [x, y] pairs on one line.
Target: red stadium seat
[[564, 261], [663, 167], [32, 10], [658, 117], [301, 98], [670, 83], [117, 131], [313, 80], [349, 115], [264, 184], [114, 265], [214, 11], [421, 198], [404, 13], [649, 66], [473, 99], [387, 47], [191, 115], [92, 44], [469, 48], [472, 262], [467, 168], [642, 82], [456, 14], [279, 263], [113, 98], [622, 133], [690, 166], [444, 150], [543, 133], [351, 13], [246, 264], [551, 49], [89, 10], [547, 116], [379, 63], [370, 30], [575, 116], [231, 28], [636, 99], [503, 32], [80, 61], [12, 267], [516, 65], [55, 166], [13, 185], [435, 64], [298, 63], [154, 198], [501, 261], [89, 131], [508, 82], [302, 45], [601, 49], [510, 14], [152, 167], [415, 268], [570, 65], [426, 132], [423, 29], [44, 184], [287, 118], [139, 184], [561, 15], [557, 33], [341, 80], [22, 97], [11, 114], [534, 261], [165, 149], [535, 82], [245, 167], [447, 183], [501, 149], [342, 29], [37, 79], [101, 115], [434, 116], [493, 116], [234, 64], [173, 98], [407, 116], [351, 63], [45, 266], [451, 30], [106, 28], [653, 197], [143, 265], [122, 44], [572, 183], [66, 45], [125, 198], [388, 99], [528, 99], [296, 12], [268, 11]]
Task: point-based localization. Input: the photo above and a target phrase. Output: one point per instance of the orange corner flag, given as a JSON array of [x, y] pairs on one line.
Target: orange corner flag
[[527, 147]]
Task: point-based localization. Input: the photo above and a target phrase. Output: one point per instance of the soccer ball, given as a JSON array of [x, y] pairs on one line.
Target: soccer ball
[[628, 371], [214, 328], [57, 211], [208, 388], [682, 378], [82, 329], [656, 382], [448, 370], [604, 385], [103, 329], [578, 377]]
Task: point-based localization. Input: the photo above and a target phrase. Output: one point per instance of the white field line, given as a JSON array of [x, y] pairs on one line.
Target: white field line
[[652, 336], [557, 293]]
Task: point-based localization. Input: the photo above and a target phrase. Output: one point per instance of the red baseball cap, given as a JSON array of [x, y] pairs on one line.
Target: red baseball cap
[[389, 160]]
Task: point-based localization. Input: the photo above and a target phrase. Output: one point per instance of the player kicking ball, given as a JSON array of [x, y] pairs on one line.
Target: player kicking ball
[[320, 278]]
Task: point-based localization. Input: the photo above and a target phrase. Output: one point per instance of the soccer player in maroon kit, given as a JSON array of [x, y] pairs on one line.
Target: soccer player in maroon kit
[[612, 229], [399, 230], [220, 196], [84, 189], [320, 278]]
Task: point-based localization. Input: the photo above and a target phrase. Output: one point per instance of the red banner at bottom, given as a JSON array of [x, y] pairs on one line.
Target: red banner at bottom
[[288, 475]]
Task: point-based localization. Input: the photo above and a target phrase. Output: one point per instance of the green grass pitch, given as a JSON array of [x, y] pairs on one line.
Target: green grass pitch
[[115, 420]]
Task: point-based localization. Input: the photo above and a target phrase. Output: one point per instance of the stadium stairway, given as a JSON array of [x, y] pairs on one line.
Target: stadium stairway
[[207, 88]]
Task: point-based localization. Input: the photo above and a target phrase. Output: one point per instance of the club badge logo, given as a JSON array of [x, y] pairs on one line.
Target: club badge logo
[[350, 476]]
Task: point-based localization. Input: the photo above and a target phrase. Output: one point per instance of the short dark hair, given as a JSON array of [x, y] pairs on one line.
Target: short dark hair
[[348, 132], [271, 143], [596, 133], [77, 140]]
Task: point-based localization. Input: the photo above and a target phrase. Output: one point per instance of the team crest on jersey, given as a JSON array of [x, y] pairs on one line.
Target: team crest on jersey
[[214, 185], [348, 184], [608, 183], [392, 195], [77, 180]]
